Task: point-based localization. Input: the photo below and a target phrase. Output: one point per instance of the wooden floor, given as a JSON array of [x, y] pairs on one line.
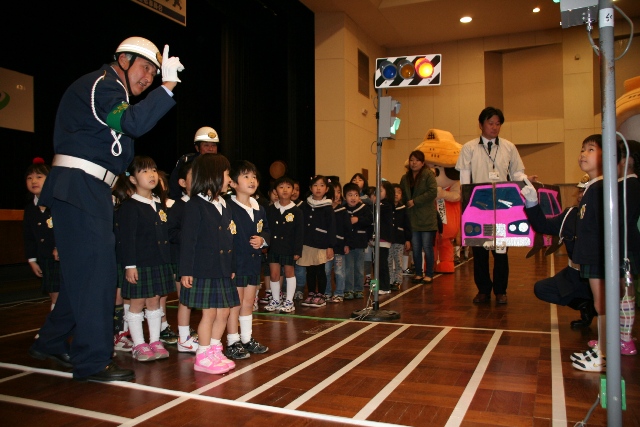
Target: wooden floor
[[444, 362]]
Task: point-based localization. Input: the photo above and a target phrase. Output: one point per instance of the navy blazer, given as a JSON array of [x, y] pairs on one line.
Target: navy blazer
[[343, 225], [319, 225], [401, 226], [248, 259], [143, 234], [206, 241], [287, 230], [37, 230], [361, 232]]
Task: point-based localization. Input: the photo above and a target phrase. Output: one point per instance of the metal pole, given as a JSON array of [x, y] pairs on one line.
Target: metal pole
[[376, 223], [611, 228]]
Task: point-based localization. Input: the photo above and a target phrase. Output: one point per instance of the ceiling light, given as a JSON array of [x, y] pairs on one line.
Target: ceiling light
[[465, 19], [536, 9]]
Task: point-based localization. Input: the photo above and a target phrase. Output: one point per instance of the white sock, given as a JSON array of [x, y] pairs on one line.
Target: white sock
[[215, 342], [232, 338], [275, 290], [291, 288], [184, 333], [246, 327], [154, 320], [164, 325], [202, 348], [52, 306], [135, 327], [126, 323]]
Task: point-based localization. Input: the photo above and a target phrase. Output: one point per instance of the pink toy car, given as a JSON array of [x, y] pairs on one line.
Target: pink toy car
[[494, 214]]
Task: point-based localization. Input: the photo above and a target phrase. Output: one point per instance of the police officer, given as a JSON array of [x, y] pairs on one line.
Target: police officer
[[205, 141], [93, 142]]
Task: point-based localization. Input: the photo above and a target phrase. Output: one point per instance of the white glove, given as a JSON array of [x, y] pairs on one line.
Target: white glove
[[488, 245], [529, 192], [170, 66]]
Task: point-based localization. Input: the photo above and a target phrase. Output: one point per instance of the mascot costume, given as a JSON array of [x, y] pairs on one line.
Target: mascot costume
[[441, 153]]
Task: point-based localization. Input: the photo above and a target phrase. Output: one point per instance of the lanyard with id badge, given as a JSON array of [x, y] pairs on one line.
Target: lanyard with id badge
[[494, 175]]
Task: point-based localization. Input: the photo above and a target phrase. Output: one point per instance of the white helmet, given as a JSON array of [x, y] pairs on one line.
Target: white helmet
[[141, 47], [206, 134]]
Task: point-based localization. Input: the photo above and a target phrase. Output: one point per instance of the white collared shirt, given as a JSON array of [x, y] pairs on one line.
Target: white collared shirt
[[281, 208], [151, 202]]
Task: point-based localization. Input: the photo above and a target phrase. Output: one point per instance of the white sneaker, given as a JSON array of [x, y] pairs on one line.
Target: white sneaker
[[273, 306], [381, 292], [593, 362], [121, 342], [583, 355], [287, 307], [188, 346]]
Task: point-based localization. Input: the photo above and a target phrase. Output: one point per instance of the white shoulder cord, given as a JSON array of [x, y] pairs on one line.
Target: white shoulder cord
[[562, 225], [116, 137]]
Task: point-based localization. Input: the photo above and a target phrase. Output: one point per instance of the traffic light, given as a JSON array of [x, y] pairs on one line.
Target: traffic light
[[388, 123], [408, 71]]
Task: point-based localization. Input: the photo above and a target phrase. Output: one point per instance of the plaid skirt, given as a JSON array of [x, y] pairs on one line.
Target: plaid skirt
[[274, 258], [596, 271], [244, 281], [121, 280], [210, 293], [50, 275], [152, 281]]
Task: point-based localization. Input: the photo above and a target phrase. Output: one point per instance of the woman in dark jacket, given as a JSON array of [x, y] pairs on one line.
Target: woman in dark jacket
[[419, 191]]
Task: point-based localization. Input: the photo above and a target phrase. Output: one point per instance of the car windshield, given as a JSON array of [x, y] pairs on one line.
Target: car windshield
[[506, 197]]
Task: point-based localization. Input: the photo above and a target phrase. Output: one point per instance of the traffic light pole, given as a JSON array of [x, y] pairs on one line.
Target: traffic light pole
[[373, 313]]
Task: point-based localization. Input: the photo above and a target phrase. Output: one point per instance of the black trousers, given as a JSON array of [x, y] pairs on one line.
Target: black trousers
[[481, 271]]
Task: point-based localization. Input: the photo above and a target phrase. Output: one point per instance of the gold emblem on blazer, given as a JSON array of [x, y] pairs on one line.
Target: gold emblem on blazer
[[163, 216], [289, 217], [260, 225], [232, 227], [50, 223]]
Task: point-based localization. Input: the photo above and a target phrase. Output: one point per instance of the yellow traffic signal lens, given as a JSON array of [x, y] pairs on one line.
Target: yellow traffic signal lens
[[407, 70], [424, 68]]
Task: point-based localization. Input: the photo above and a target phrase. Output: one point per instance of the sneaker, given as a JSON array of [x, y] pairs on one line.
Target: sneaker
[[395, 286], [592, 362], [167, 336], [287, 307], [236, 351], [336, 298], [216, 351], [143, 353], [381, 292], [255, 347], [266, 299], [299, 295], [190, 345], [193, 333], [207, 362], [407, 272], [273, 306], [358, 295], [121, 342], [318, 301], [367, 281], [583, 355], [307, 302], [348, 295], [327, 296], [628, 348], [158, 350], [283, 295]]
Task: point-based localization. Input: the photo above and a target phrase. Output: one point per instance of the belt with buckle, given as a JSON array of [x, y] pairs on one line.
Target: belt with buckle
[[91, 168]]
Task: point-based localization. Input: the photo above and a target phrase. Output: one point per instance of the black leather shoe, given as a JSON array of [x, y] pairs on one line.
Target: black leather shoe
[[62, 359], [587, 313], [111, 373]]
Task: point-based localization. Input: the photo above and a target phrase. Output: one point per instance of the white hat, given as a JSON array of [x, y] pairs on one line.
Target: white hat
[[206, 133], [141, 47]]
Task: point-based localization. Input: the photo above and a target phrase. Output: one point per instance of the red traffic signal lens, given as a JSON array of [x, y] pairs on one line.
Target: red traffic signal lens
[[424, 68]]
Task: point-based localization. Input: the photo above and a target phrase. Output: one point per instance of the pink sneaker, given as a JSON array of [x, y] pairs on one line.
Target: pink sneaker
[[216, 350], [208, 363], [143, 353], [158, 350], [628, 348]]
